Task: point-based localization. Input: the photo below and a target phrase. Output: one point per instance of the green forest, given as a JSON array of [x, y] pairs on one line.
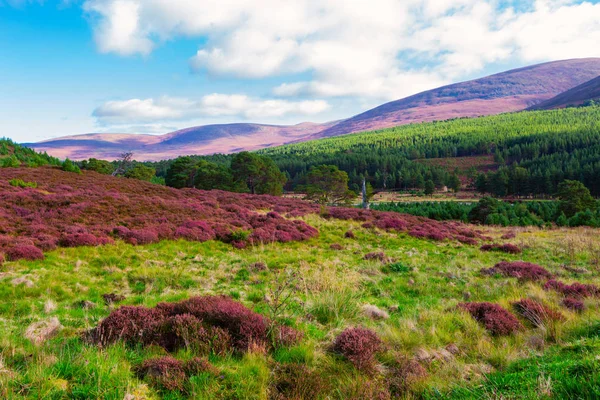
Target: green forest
[[533, 150]]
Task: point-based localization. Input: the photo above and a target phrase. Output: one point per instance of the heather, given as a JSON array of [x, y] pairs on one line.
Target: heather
[[148, 315], [519, 269], [70, 210]]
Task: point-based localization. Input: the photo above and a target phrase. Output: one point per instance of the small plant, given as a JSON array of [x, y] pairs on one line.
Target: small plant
[[504, 248], [296, 381], [494, 318], [575, 290], [22, 184], [164, 373], [535, 312], [359, 346], [398, 267], [519, 269], [573, 304], [24, 252], [378, 255]]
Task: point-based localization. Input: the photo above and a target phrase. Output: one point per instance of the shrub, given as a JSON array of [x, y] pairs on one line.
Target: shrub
[[164, 373], [349, 235], [245, 326], [404, 373], [505, 248], [535, 312], [519, 269], [199, 365], [79, 239], [285, 336], [576, 290], [508, 235], [132, 324], [22, 184], [336, 246], [493, 317], [573, 304], [359, 346], [258, 266], [142, 236], [24, 252], [379, 256], [110, 298]]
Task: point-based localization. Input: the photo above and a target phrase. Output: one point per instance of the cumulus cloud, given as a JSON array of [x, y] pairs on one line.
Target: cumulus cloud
[[146, 111], [352, 48]]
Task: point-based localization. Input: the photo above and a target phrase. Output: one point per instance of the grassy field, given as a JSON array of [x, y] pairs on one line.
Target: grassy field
[[418, 290]]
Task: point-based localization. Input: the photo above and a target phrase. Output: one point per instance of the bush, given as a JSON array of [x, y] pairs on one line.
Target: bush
[[504, 248], [79, 239], [519, 269], [131, 324], [404, 373], [573, 304], [379, 256], [285, 336], [22, 184], [349, 235], [359, 346], [336, 246], [535, 312], [164, 373], [24, 252], [494, 318], [575, 290]]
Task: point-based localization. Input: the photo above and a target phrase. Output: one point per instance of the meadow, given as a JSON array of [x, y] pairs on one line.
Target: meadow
[[370, 305]]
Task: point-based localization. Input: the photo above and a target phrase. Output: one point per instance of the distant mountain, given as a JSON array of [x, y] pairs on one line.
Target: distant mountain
[[513, 90], [509, 91], [589, 90]]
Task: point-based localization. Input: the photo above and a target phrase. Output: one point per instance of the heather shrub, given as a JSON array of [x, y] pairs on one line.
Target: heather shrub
[[198, 365], [519, 269], [359, 346], [336, 246], [24, 252], [493, 317], [379, 256], [164, 373], [535, 312], [79, 239], [504, 248], [403, 374], [349, 235], [296, 382], [131, 324], [110, 298], [576, 290], [142, 236], [245, 326], [508, 235], [285, 336], [573, 304]]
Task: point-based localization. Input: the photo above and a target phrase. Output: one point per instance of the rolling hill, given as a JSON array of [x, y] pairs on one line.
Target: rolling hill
[[590, 90], [509, 91]]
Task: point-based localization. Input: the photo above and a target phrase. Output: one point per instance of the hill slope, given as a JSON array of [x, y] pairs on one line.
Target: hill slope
[[590, 90], [505, 92]]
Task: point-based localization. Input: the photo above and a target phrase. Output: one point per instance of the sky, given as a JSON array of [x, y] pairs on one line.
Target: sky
[[153, 66]]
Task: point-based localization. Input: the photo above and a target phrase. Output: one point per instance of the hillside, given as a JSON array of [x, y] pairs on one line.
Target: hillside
[[574, 97], [143, 299], [505, 92]]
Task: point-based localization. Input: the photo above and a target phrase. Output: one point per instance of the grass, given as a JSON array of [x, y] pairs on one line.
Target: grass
[[420, 290]]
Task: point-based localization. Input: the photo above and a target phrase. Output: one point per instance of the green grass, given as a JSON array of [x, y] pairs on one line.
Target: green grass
[[420, 290]]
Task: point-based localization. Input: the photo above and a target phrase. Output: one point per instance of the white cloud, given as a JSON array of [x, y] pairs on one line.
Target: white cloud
[[146, 111], [352, 48]]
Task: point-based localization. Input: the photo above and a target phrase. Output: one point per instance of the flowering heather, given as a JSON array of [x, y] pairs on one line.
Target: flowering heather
[[494, 318], [24, 252], [575, 290], [359, 346], [535, 312], [504, 248], [166, 373], [205, 324], [519, 269], [573, 304], [68, 209]]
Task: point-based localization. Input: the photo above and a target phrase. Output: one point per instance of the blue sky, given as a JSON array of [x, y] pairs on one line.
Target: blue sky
[[70, 67]]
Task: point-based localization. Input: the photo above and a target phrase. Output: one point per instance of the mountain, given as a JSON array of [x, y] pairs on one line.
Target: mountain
[[589, 90], [509, 91]]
